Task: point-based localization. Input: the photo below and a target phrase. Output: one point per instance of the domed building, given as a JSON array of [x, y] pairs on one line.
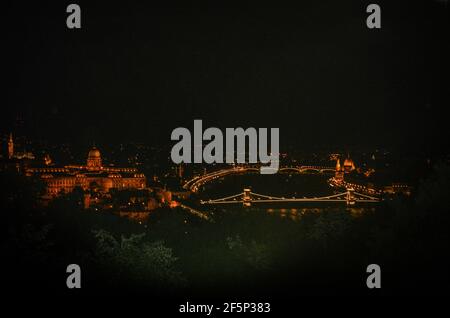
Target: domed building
[[94, 161], [93, 176], [349, 165]]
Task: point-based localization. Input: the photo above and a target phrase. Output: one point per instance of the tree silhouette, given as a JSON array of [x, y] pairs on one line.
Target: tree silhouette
[[134, 261]]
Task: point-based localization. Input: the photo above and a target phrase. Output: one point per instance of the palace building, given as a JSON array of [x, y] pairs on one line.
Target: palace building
[[92, 176]]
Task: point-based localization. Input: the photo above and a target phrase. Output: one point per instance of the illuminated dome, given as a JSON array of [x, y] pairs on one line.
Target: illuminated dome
[[94, 153], [348, 162], [349, 165], [94, 160]]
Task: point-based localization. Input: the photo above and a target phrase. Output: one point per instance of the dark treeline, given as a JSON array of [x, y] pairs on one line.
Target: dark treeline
[[244, 253]]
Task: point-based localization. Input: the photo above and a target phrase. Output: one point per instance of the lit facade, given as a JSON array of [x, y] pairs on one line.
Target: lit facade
[[14, 154], [93, 176], [347, 167]]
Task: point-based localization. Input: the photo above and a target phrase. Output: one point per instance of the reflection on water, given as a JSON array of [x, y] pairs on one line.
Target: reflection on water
[[292, 213], [296, 213]]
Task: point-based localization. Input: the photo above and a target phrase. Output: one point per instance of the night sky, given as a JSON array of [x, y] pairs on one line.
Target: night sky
[[135, 72]]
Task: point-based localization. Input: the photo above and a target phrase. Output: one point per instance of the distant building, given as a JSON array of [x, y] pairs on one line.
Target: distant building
[[347, 167], [339, 174], [14, 154], [92, 176], [398, 188], [14, 160]]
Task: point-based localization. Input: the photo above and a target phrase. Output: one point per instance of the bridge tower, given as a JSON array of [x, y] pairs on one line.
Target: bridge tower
[[247, 200], [350, 197]]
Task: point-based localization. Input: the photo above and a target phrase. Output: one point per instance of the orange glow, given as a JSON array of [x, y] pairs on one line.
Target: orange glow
[[174, 204]]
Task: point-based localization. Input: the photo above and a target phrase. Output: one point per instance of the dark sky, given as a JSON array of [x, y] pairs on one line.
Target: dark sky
[[135, 71]]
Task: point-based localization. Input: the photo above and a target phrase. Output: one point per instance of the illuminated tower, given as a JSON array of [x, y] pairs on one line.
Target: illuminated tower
[[339, 174], [10, 146], [94, 161], [338, 165]]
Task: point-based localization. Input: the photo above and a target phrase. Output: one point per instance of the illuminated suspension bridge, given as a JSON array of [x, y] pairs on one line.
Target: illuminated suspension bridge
[[247, 198]]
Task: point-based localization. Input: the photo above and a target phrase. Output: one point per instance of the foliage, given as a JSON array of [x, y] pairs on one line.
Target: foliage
[[135, 261], [330, 226], [255, 254]]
